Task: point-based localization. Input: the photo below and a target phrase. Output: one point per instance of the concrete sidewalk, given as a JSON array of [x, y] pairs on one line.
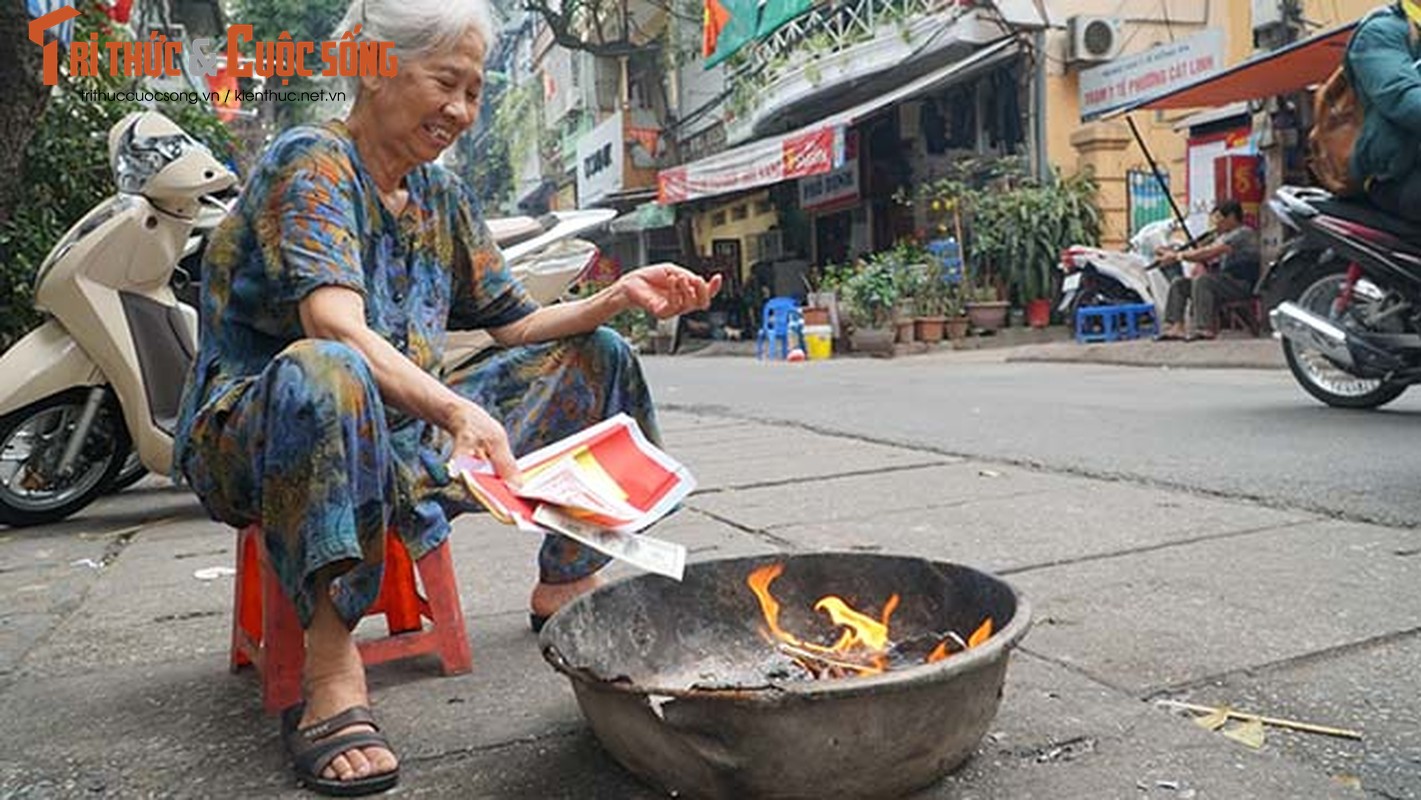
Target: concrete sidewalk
[[113, 653], [1054, 345]]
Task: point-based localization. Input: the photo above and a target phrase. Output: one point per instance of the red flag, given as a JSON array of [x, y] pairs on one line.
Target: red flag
[[715, 18]]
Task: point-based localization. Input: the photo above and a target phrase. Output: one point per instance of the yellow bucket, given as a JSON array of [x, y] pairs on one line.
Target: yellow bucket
[[818, 341]]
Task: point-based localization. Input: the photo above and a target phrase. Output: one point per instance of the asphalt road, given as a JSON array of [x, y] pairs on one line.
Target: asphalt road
[[1238, 433]]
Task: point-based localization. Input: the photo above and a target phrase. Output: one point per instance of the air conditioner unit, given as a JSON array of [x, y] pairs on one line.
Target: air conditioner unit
[[1093, 39]]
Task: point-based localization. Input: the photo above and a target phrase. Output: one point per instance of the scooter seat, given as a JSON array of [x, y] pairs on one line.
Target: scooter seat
[[1369, 215]]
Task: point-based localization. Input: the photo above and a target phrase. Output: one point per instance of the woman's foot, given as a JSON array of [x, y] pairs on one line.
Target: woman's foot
[[549, 597], [334, 679]]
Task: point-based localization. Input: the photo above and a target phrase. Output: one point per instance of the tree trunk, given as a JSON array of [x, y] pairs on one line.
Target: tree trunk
[[25, 98]]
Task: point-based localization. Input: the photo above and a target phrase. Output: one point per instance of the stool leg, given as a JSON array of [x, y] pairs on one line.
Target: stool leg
[[283, 644], [247, 598], [399, 598], [436, 571]]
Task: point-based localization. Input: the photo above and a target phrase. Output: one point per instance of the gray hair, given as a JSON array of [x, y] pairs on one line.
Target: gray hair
[[418, 28]]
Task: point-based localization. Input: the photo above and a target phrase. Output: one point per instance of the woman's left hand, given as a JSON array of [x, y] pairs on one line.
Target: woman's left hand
[[666, 290]]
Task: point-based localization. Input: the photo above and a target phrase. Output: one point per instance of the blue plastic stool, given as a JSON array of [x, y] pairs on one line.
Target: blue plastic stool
[[1117, 323], [780, 319]]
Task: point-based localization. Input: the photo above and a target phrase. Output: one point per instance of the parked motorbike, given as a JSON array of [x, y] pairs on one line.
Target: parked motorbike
[[1098, 277], [185, 287], [102, 377], [1350, 284]]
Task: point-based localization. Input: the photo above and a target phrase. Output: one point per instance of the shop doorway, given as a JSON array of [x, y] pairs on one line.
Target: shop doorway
[[833, 236]]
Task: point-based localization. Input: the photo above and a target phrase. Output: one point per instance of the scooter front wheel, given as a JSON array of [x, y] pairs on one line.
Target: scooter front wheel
[[32, 443], [130, 472]]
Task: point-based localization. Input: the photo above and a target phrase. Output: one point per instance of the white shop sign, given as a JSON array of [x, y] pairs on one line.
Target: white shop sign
[[600, 157], [1156, 71], [830, 187]]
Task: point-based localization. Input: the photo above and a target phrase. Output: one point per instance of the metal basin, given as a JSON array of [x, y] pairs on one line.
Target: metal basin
[[679, 684]]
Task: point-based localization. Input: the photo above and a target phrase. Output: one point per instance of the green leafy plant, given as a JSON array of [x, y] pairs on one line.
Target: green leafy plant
[[1014, 225], [829, 278], [938, 298], [870, 294], [635, 325]]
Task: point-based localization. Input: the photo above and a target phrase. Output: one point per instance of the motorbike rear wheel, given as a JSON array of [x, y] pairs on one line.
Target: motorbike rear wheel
[[32, 442], [1320, 376]]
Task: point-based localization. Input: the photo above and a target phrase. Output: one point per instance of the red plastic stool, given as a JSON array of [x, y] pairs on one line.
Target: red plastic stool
[[267, 634]]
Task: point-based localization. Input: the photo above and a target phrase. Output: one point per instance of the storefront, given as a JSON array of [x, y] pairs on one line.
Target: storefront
[[1253, 138], [838, 177]]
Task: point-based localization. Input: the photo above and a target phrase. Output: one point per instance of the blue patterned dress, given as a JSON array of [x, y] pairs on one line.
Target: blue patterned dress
[[291, 432]]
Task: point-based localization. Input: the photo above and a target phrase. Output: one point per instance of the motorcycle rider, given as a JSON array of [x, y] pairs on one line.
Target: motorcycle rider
[[1236, 250], [1383, 61]]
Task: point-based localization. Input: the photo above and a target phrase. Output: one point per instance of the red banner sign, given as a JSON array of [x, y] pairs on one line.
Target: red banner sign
[[749, 166]]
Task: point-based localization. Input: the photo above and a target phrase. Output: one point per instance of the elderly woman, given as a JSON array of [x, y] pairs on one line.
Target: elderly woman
[[314, 407]]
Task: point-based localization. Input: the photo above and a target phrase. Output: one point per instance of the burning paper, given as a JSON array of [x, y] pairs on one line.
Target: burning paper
[[864, 645]]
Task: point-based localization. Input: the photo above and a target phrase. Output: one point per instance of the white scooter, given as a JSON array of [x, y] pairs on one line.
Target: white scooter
[[1095, 276], [103, 375]]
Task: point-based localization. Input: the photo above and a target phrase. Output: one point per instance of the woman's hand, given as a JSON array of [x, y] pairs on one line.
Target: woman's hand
[[666, 290], [481, 436]]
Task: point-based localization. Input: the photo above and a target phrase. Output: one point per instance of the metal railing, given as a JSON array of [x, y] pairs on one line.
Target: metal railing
[[827, 28], [836, 26]]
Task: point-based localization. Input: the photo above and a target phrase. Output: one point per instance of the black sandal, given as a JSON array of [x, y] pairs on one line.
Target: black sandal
[[314, 747], [537, 621]]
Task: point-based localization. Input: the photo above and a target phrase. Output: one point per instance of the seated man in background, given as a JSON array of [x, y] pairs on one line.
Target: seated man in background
[[1231, 264]]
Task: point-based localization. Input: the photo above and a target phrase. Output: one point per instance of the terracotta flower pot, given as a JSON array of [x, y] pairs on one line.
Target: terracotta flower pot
[[814, 315], [956, 327], [989, 316], [903, 327], [929, 329]]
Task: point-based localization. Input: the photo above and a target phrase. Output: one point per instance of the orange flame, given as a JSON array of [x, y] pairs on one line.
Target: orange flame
[[863, 645], [982, 634], [938, 653]]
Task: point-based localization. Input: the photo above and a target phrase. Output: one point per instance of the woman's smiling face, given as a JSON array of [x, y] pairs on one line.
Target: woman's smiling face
[[430, 101]]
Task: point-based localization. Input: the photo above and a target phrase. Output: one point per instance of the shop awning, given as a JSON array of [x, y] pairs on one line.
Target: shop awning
[[810, 150], [1282, 71]]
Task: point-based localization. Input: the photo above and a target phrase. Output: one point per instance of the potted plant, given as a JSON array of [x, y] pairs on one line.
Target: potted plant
[[957, 323], [1011, 226], [1050, 216], [870, 297], [933, 301], [985, 308], [824, 286], [909, 273]]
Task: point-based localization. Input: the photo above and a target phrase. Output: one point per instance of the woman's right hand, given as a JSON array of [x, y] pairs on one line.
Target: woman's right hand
[[480, 436]]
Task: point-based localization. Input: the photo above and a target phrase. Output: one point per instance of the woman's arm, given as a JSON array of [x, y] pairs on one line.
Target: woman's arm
[[665, 290], [337, 313]]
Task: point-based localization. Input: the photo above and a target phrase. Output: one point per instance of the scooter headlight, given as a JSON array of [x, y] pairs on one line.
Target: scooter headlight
[[139, 158]]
